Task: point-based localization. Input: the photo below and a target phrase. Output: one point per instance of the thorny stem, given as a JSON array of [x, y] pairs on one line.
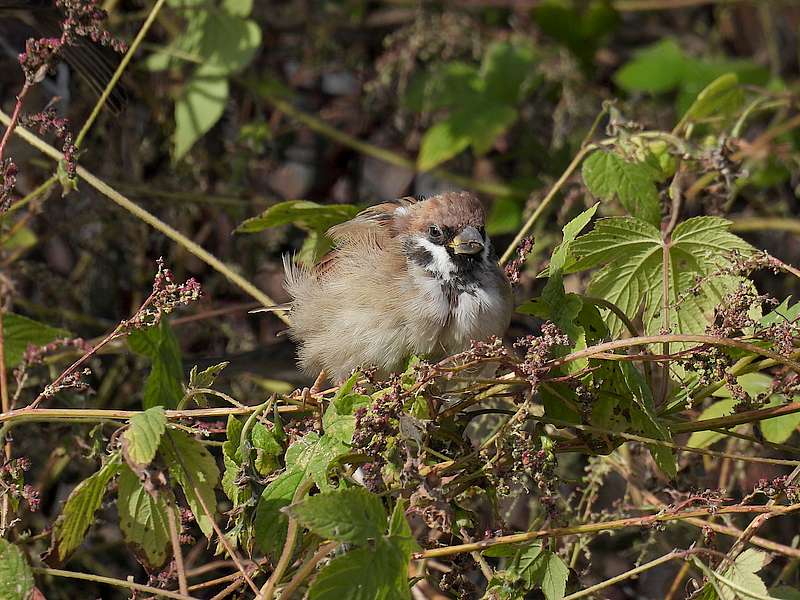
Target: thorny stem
[[598, 527], [6, 405], [175, 539]]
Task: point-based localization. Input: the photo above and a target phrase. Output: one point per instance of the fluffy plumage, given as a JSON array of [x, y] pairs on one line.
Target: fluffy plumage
[[405, 277]]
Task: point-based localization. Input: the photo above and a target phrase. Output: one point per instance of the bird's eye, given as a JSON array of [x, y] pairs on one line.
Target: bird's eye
[[435, 232]]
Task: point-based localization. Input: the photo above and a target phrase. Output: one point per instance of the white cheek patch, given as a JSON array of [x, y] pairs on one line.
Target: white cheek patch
[[441, 264]]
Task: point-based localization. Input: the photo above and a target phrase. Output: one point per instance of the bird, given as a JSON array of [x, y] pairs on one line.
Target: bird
[[93, 62], [404, 278]]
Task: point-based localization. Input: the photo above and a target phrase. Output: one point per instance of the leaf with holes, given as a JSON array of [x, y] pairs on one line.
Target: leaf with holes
[[631, 253], [195, 469], [143, 519]]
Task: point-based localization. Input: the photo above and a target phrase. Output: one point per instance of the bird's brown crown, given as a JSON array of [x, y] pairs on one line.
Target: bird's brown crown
[[451, 210]]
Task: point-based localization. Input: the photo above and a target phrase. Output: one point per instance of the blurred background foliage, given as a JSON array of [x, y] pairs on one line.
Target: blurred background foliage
[[238, 107]]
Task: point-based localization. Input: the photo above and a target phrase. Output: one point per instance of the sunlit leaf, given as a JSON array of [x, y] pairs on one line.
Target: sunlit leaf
[[16, 578]]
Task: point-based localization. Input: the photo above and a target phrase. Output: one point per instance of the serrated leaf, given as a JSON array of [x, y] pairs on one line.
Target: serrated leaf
[[743, 573], [143, 519], [374, 573], [306, 215], [348, 515], [204, 380], [270, 522], [313, 455], [195, 469], [83, 502], [197, 109], [609, 176], [631, 252], [19, 332], [144, 435], [164, 384], [16, 577]]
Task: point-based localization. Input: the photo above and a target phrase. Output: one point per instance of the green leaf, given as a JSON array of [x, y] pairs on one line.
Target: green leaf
[[197, 110], [720, 97], [195, 469], [270, 522], [16, 577], [306, 215], [143, 436], [313, 455], [143, 519], [443, 86], [204, 379], [267, 448], [369, 573], [505, 69], [779, 429], [21, 239], [552, 575], [83, 502], [579, 26], [704, 439], [228, 42], [347, 515], [163, 386], [655, 69], [609, 176], [20, 332], [784, 592], [631, 251], [743, 573], [400, 530]]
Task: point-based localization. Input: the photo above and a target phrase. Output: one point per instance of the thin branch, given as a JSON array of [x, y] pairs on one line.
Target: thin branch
[[175, 539], [588, 528], [623, 576], [306, 569], [189, 245], [123, 583]]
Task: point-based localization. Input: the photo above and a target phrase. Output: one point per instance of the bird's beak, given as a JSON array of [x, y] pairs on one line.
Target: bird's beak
[[469, 241]]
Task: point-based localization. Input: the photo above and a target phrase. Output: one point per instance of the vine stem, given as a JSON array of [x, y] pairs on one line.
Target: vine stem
[[176, 549], [598, 527], [623, 576], [306, 569], [268, 590], [545, 203], [190, 246], [6, 405], [13, 121], [659, 339], [112, 581]]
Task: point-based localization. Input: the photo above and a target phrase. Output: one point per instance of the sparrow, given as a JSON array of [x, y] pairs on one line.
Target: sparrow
[[408, 277], [93, 62]]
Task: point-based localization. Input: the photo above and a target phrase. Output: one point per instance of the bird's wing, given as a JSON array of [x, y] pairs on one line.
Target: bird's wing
[[372, 228]]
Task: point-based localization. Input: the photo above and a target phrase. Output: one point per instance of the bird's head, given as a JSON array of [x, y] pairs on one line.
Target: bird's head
[[445, 234]]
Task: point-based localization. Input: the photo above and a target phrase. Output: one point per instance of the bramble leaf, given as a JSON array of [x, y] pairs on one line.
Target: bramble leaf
[[16, 577], [19, 332], [609, 176], [143, 519], [143, 436], [350, 515], [83, 501], [631, 253], [195, 469], [270, 521]]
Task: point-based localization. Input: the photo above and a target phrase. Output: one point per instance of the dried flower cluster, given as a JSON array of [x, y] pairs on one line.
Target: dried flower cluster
[[48, 120], [167, 295], [12, 482], [514, 268]]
